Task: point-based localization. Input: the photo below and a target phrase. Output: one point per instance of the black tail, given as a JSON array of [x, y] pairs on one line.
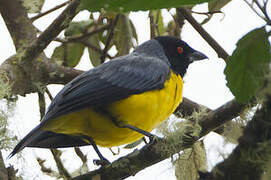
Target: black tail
[[47, 139]]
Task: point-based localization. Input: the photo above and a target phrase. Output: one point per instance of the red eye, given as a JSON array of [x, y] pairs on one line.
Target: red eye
[[180, 50]]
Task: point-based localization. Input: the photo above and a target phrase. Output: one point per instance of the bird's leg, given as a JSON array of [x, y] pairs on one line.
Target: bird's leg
[[102, 161], [141, 131], [124, 125]]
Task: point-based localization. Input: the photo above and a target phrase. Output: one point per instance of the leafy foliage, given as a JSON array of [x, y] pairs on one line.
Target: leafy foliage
[[135, 5], [123, 35], [94, 56], [217, 5], [246, 68], [68, 54]]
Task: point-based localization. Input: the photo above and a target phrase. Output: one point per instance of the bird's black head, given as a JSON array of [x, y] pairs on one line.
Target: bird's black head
[[179, 53]]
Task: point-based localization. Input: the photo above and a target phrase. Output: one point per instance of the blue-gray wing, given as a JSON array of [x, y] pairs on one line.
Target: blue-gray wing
[[108, 83]]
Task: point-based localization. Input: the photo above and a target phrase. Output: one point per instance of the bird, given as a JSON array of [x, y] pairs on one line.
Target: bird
[[117, 102]]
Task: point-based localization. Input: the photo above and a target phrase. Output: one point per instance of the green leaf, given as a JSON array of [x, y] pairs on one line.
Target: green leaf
[[123, 35], [76, 28], [246, 68], [134, 33], [134, 5], [33, 6], [68, 54], [217, 5], [94, 56]]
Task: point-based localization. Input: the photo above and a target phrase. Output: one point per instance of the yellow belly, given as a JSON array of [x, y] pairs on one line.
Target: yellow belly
[[145, 111]]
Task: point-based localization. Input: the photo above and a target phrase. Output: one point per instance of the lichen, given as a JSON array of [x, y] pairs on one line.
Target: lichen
[[190, 162], [33, 6], [7, 138], [184, 132], [5, 87]]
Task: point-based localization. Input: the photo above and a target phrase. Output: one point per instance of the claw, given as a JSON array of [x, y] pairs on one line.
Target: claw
[[101, 162]]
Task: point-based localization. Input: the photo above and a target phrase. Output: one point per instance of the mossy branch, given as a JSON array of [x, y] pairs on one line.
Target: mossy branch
[[155, 152], [205, 35], [19, 25], [250, 158]]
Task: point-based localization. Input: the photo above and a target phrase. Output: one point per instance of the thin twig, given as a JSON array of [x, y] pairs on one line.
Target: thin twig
[[152, 24], [56, 153], [114, 153], [43, 168], [80, 154], [264, 11], [209, 39], [49, 11], [42, 104], [158, 14], [90, 33], [88, 44], [110, 36], [252, 8], [206, 13], [49, 93], [60, 23], [61, 169]]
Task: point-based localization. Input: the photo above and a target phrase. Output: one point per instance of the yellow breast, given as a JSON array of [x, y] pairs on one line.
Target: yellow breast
[[145, 111]]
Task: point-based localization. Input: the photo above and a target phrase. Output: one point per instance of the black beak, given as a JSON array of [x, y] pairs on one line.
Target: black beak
[[196, 56]]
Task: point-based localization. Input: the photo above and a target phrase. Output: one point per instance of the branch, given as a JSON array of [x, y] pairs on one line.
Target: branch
[[87, 34], [110, 36], [52, 73], [56, 153], [3, 170], [252, 8], [209, 39], [80, 154], [49, 11], [20, 27], [264, 11], [45, 72], [187, 107], [38, 45], [152, 24], [88, 44], [161, 149], [61, 169], [251, 157]]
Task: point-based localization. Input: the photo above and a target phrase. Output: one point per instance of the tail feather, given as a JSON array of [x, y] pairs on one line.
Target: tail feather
[[47, 139]]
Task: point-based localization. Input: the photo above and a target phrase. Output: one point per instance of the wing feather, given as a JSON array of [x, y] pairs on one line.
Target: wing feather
[[108, 83]]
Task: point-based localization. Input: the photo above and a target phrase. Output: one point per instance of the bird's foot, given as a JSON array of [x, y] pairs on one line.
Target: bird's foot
[[101, 162]]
